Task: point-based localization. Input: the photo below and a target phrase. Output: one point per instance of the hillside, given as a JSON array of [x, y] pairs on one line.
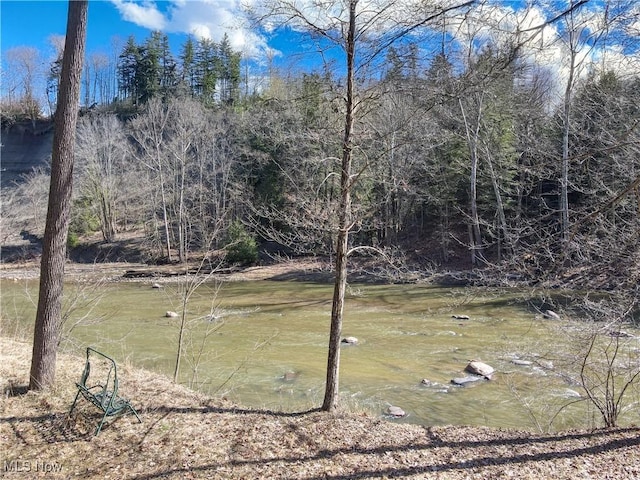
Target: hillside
[[24, 149], [187, 435]]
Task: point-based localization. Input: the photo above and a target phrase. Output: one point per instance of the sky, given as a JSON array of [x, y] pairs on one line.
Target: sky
[[32, 23], [26, 22]]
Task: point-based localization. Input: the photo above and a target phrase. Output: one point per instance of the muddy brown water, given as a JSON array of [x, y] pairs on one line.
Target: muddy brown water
[[263, 344]]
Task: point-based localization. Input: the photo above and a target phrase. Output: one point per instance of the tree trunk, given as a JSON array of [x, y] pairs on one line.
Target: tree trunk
[[333, 361], [506, 237], [48, 317], [566, 128], [475, 236]]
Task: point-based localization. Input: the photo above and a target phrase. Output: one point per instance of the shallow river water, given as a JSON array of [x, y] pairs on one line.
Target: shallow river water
[[264, 345]]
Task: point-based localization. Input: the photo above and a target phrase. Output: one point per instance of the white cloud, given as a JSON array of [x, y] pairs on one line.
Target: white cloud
[[547, 46], [487, 21], [210, 19], [145, 14]]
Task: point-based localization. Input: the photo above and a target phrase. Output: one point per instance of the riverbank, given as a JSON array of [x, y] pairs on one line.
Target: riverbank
[[185, 434], [314, 269]]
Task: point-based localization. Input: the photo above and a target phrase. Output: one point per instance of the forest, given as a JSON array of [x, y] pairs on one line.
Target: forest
[[467, 155]]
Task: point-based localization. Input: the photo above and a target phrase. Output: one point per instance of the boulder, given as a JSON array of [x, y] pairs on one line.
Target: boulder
[[170, 314], [350, 340], [460, 317], [396, 412], [156, 285], [478, 368]]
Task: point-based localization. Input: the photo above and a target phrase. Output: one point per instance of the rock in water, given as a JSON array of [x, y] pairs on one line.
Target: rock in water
[[170, 314], [350, 340], [468, 379], [524, 363], [395, 411], [290, 376], [478, 368], [460, 317]]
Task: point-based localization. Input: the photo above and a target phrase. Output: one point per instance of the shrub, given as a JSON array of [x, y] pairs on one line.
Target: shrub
[[72, 240], [241, 247]]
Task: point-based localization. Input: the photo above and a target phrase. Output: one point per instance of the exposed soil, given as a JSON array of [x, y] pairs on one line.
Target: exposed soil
[[184, 434]]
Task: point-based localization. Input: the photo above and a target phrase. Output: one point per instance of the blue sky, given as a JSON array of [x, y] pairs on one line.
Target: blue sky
[[31, 23]]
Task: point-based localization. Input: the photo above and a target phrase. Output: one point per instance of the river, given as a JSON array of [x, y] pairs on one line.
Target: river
[[263, 344]]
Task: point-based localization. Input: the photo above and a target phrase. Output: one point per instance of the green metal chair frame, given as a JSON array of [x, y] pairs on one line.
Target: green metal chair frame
[[103, 395]]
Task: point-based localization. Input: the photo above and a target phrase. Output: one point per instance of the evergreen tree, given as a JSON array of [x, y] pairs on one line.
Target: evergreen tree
[[229, 71], [188, 71], [206, 70], [394, 67], [149, 71], [128, 66], [167, 65], [53, 81]]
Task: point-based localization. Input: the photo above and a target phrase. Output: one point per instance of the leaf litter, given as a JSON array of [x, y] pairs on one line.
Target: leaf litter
[[186, 434]]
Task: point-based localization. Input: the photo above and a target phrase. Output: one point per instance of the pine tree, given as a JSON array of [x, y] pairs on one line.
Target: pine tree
[[167, 64], [229, 71], [206, 70], [188, 71], [128, 65], [149, 72]]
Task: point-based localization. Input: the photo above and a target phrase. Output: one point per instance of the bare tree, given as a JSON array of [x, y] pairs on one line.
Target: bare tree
[[185, 129], [374, 28], [24, 63], [101, 153], [577, 30], [609, 371], [48, 317], [149, 132], [24, 207]]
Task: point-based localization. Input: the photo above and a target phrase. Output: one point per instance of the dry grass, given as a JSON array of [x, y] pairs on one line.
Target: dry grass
[[187, 435]]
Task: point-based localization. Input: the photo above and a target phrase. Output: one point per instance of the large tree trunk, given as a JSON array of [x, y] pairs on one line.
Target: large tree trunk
[[48, 317], [333, 361]]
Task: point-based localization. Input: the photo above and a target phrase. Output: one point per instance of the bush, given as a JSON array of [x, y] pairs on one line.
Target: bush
[[83, 218], [241, 247], [72, 240]]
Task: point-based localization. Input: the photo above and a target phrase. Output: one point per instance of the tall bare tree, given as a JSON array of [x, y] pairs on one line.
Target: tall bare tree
[[101, 153], [48, 317], [372, 29], [149, 132], [20, 86]]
